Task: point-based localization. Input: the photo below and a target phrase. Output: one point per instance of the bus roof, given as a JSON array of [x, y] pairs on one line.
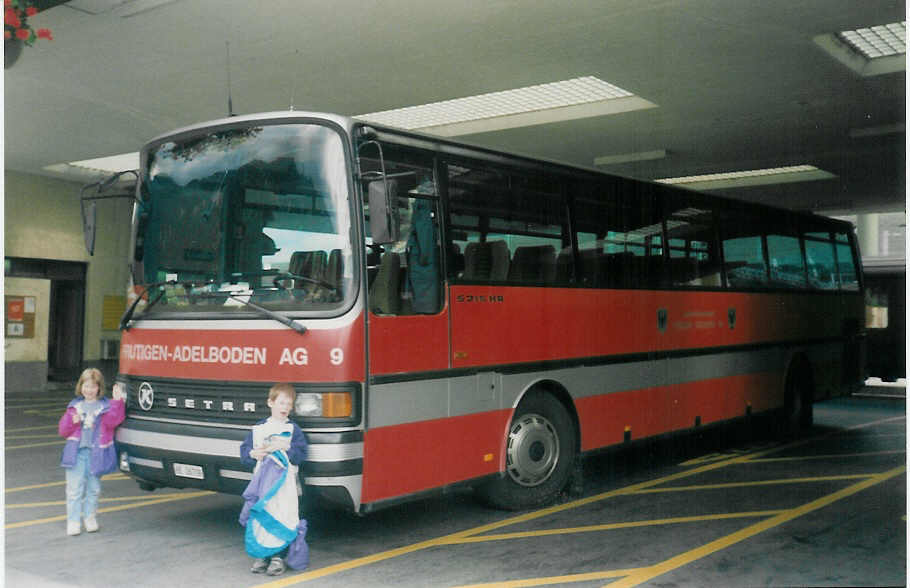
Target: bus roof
[[458, 147]]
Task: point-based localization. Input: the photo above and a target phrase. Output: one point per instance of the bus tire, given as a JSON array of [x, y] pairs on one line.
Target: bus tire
[[796, 415], [540, 453]]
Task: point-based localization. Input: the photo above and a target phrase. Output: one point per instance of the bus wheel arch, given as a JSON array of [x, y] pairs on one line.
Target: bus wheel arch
[[541, 447], [799, 395]]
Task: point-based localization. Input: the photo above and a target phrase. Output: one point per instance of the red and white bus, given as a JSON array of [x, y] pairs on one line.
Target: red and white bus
[[454, 315]]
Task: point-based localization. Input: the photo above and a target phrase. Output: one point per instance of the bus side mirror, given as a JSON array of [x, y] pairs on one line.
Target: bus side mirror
[[382, 195], [103, 190], [88, 225]]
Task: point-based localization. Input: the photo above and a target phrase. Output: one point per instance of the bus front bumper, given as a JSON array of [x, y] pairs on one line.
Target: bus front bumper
[[178, 455]]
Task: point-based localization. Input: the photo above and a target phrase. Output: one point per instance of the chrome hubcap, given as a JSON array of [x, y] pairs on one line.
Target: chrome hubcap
[[533, 450]]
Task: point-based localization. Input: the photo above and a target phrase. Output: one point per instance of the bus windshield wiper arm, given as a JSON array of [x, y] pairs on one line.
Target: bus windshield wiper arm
[[244, 299], [128, 315]]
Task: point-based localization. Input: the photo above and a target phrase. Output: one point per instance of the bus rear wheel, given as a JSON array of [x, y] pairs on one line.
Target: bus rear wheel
[[796, 415], [540, 454]]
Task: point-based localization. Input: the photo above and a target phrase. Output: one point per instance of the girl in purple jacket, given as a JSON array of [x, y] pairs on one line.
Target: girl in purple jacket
[[88, 425]]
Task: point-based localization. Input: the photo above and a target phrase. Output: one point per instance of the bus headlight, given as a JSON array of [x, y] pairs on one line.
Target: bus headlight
[[323, 404]]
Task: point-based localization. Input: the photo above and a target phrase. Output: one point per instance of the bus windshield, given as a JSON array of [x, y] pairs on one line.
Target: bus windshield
[[245, 215]]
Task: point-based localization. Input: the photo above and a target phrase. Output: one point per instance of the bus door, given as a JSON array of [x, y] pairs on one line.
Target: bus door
[[408, 325]]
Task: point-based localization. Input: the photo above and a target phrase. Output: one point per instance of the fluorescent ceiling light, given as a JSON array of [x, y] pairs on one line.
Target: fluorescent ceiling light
[[113, 164], [93, 169], [758, 177], [532, 105], [880, 41], [869, 51], [630, 157]]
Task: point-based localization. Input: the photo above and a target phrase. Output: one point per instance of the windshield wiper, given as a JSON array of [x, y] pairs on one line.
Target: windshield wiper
[[244, 298], [128, 315]]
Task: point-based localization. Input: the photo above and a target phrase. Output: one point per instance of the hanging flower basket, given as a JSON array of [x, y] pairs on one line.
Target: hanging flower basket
[[16, 30]]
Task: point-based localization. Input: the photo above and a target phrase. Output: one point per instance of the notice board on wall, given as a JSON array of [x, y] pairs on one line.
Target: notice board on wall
[[111, 311], [20, 317]]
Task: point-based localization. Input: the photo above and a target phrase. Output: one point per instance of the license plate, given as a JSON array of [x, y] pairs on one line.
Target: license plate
[[185, 470]]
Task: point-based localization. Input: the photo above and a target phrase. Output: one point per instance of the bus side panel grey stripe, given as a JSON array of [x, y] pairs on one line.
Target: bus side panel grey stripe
[[707, 367], [414, 401], [408, 402]]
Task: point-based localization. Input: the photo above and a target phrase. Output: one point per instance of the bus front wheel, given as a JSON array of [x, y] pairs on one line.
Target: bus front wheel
[[540, 453]]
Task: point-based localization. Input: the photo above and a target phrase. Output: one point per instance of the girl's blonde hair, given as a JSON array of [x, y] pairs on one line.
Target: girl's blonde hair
[[93, 374]]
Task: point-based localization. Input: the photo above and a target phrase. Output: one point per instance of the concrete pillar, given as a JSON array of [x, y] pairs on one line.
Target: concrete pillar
[[867, 234]]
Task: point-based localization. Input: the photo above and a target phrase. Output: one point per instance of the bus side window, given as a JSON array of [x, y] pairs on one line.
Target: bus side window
[[743, 247], [619, 236], [510, 224], [692, 245], [820, 261], [405, 276], [846, 266], [787, 267]]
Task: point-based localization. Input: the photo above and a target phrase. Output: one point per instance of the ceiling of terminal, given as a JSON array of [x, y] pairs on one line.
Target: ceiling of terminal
[[736, 84]]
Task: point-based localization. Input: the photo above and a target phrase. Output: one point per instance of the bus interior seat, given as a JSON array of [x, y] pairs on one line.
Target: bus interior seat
[[384, 292], [564, 263], [533, 263], [334, 270], [487, 260], [591, 265], [615, 269], [455, 260], [307, 263]]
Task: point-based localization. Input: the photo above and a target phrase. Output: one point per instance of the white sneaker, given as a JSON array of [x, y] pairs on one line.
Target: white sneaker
[[73, 528], [91, 524]]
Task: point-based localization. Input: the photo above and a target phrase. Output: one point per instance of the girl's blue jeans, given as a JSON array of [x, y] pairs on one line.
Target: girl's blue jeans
[[82, 488]]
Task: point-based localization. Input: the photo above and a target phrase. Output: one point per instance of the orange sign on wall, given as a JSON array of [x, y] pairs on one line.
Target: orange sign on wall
[[20, 317], [15, 308]]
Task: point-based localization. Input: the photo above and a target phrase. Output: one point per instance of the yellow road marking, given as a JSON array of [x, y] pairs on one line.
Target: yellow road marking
[[35, 428], [63, 502], [392, 553], [754, 483], [116, 476], [53, 413], [530, 516], [887, 421], [39, 403], [614, 526], [682, 559], [30, 445], [168, 498], [556, 579], [828, 456]]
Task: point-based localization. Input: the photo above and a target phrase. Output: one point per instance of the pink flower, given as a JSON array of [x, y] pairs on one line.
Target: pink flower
[[11, 18], [31, 11], [45, 34], [23, 34]]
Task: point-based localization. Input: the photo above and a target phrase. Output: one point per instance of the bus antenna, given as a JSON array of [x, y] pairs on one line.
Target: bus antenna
[[227, 49], [294, 81]]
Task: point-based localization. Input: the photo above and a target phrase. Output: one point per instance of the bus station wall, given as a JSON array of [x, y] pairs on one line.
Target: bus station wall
[[26, 358], [43, 220]]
